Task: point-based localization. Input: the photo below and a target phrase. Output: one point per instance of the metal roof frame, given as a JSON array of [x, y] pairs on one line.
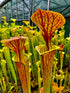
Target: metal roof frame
[[65, 9], [4, 2]]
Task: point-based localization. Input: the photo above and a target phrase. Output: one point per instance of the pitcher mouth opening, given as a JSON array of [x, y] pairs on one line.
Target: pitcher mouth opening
[[42, 49]]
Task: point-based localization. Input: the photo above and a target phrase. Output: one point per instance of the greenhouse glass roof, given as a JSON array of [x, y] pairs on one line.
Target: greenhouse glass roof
[[62, 6], [1, 1]]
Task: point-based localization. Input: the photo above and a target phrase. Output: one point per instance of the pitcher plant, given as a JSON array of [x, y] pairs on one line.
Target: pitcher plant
[[18, 45], [48, 22]]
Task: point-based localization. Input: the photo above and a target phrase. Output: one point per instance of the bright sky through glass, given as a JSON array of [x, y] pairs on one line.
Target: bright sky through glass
[[1, 1]]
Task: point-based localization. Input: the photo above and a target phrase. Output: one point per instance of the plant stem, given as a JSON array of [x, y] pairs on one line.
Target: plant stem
[[9, 63], [39, 82], [54, 71], [29, 80], [69, 79], [66, 77]]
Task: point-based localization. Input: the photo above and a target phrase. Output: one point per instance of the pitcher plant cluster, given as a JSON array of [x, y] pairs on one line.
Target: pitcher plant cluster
[[33, 54]]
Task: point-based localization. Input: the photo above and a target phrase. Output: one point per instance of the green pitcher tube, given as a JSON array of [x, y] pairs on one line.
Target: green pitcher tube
[[47, 64]]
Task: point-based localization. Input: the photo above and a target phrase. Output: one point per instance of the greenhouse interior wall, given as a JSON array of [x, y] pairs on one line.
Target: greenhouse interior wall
[[23, 9]]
